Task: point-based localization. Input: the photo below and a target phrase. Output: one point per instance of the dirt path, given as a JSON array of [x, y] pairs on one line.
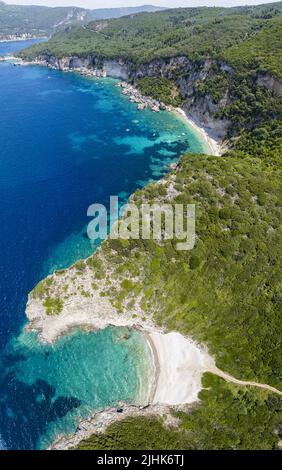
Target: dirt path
[[229, 378]]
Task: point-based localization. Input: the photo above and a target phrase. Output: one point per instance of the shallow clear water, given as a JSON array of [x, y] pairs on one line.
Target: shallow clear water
[[53, 385], [65, 143]]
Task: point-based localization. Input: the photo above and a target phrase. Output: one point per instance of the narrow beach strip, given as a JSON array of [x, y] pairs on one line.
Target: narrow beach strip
[[212, 144]]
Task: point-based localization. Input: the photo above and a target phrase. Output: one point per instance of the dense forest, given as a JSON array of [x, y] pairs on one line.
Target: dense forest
[[195, 32], [226, 292]]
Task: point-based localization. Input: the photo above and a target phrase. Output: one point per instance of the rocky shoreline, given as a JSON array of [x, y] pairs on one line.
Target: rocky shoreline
[[101, 420], [212, 138], [143, 102], [22, 37]]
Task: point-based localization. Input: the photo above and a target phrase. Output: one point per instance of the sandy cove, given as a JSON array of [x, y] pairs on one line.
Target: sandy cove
[[213, 143], [179, 362], [210, 138], [179, 365]]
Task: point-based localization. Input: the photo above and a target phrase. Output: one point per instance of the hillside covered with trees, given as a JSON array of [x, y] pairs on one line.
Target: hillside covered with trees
[[194, 32], [17, 20]]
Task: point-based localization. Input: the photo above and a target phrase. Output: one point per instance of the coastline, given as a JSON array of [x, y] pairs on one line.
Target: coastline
[[178, 362], [99, 421], [16, 39], [213, 145], [179, 365], [212, 141]]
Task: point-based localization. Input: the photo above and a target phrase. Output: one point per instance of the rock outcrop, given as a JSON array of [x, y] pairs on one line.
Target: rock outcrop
[[271, 83]]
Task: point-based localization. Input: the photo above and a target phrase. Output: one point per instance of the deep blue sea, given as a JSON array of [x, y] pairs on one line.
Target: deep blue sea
[[66, 142]]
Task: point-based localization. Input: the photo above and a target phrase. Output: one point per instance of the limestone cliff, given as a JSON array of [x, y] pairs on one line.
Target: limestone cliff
[[184, 72], [204, 85]]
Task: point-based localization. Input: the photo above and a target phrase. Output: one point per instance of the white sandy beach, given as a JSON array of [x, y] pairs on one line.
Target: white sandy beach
[[180, 364], [212, 143]]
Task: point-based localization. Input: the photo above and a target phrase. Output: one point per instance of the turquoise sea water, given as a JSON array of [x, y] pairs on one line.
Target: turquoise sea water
[[67, 142], [82, 372]]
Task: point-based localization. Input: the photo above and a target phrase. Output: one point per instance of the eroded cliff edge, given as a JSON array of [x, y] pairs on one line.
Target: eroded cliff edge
[[209, 89], [186, 74]]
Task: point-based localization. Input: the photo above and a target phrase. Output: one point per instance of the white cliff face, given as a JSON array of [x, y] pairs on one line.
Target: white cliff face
[[116, 69], [184, 72], [168, 68], [202, 116], [93, 311], [271, 83], [97, 67]]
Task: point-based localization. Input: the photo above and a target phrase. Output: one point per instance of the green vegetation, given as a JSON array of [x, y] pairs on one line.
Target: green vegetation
[[136, 433], [195, 32], [261, 52], [215, 85], [203, 293], [127, 284], [161, 89], [80, 266], [255, 116], [42, 288], [145, 37], [41, 20], [53, 305], [228, 418]]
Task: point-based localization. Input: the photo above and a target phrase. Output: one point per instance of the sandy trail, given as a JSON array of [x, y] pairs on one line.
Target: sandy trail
[[230, 378]]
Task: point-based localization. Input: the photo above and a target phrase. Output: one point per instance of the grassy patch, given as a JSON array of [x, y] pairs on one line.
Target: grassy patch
[[53, 305], [161, 89]]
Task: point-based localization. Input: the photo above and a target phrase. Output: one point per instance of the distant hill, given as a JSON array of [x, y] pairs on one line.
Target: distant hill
[[240, 35], [105, 13], [20, 20]]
